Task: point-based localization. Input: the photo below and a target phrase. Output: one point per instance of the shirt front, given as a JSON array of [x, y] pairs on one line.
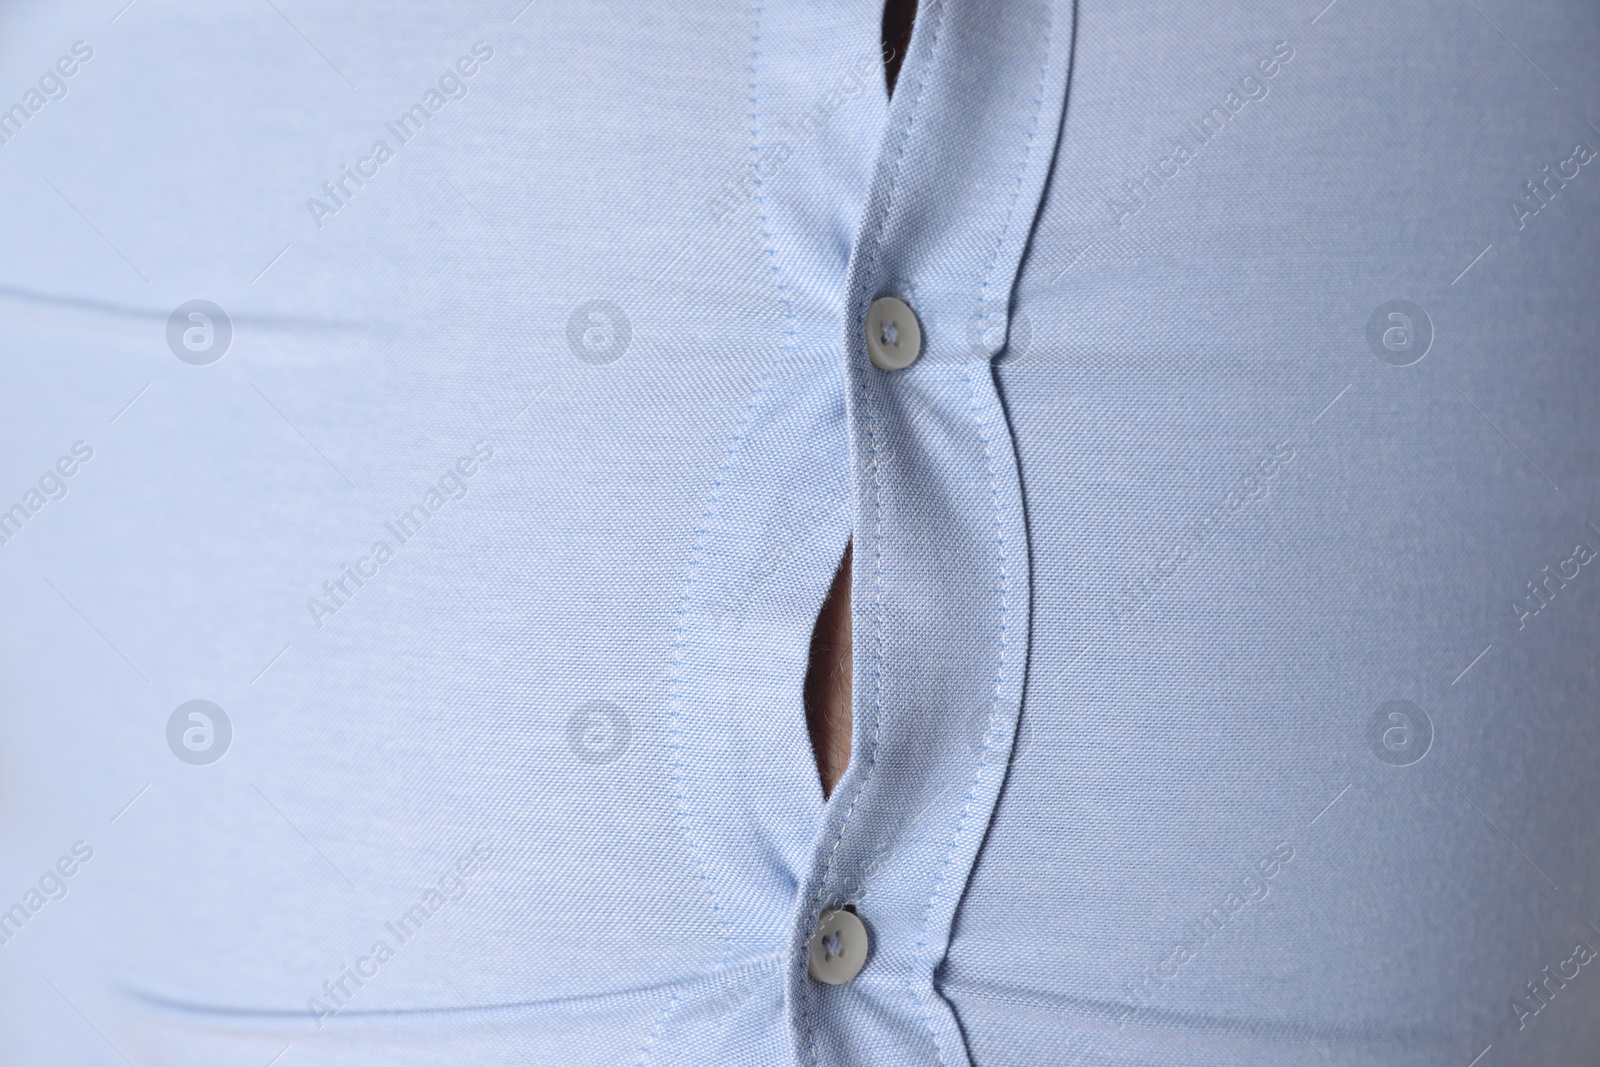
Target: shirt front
[[430, 434]]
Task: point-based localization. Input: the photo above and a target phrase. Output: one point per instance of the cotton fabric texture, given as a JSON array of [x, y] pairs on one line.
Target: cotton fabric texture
[[479, 406]]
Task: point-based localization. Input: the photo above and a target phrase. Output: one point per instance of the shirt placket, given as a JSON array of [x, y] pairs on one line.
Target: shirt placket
[[940, 596]]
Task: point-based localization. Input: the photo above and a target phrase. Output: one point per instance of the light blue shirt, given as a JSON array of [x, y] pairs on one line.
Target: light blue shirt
[[428, 434]]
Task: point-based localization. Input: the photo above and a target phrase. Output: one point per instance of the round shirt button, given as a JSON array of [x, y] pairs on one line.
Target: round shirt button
[[838, 948], [894, 340]]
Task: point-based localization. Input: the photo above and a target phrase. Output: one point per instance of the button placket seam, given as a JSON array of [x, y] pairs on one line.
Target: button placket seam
[[879, 623], [879, 658], [984, 762], [920, 997], [907, 135], [1022, 169]]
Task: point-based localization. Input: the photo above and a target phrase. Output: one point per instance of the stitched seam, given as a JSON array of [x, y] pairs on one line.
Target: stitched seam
[[900, 157], [678, 644], [879, 536], [1005, 578], [702, 535], [1022, 169], [656, 1031], [769, 246], [745, 976], [878, 674], [1003, 560]]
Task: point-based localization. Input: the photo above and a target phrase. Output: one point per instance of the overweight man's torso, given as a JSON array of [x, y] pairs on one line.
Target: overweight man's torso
[[1223, 687]]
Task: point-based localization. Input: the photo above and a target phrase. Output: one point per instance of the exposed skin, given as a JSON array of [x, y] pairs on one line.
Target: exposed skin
[[827, 689], [898, 16]]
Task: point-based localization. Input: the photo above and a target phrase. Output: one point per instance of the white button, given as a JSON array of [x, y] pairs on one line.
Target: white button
[[839, 947], [894, 340]]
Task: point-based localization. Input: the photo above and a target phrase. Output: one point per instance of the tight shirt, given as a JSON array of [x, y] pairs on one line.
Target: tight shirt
[[429, 431]]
